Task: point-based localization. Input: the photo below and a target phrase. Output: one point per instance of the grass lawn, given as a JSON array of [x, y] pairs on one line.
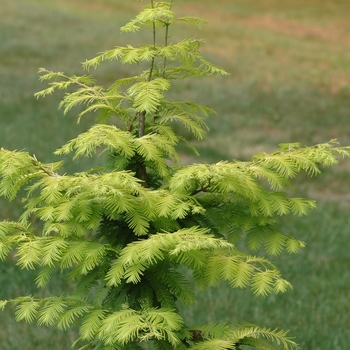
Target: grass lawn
[[290, 82]]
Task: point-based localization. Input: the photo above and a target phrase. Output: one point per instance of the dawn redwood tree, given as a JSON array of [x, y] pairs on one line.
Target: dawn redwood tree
[[127, 234]]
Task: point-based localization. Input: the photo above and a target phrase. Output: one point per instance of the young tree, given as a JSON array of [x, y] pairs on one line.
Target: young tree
[[121, 232]]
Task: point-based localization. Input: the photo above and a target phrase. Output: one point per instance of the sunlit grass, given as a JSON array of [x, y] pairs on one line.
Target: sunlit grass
[[290, 82]]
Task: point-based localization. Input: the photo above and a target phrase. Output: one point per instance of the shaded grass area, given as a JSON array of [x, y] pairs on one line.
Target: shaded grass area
[[290, 82]]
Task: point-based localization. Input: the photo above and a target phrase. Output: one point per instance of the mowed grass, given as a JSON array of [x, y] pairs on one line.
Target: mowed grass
[[289, 82]]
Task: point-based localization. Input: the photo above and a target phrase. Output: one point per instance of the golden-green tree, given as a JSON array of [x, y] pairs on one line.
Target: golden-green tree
[[139, 234]]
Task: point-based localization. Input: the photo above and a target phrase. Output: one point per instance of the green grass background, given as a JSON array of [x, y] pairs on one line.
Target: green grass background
[[290, 82]]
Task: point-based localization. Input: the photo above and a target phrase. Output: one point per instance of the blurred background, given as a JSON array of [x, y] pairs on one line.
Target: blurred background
[[289, 65]]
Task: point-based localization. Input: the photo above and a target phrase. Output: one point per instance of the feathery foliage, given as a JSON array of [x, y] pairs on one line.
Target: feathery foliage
[[121, 232]]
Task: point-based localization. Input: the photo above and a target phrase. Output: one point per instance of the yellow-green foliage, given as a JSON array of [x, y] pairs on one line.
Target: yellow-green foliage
[[120, 232]]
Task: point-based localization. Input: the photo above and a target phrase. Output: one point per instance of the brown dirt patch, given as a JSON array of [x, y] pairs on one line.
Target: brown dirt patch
[[333, 33], [94, 6], [295, 28]]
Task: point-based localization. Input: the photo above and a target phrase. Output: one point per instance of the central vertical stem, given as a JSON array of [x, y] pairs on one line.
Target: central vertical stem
[[142, 173], [142, 115]]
